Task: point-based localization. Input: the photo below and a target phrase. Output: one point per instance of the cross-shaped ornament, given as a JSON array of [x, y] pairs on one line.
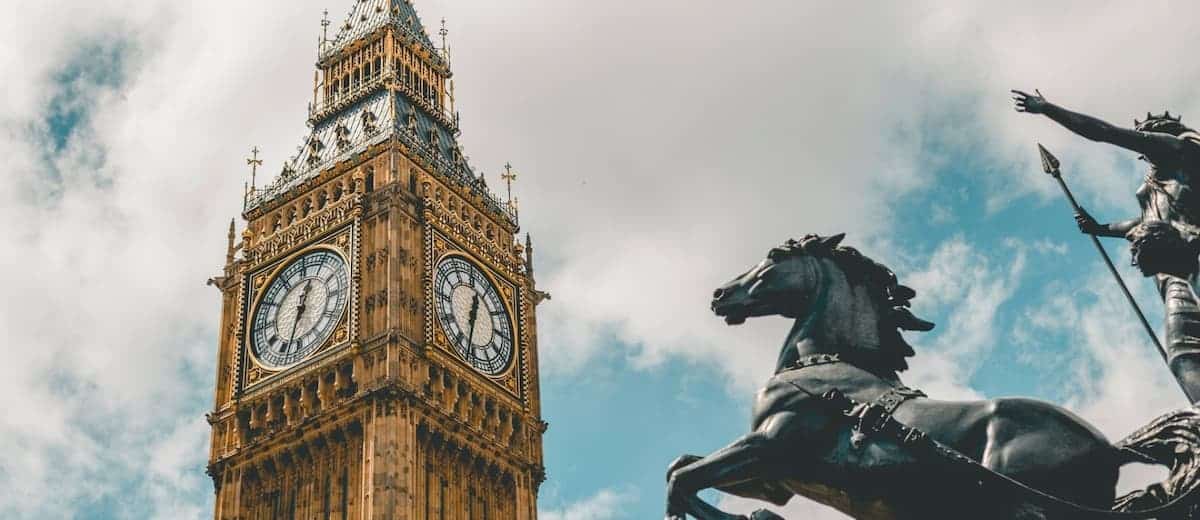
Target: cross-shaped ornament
[[509, 176], [254, 162]]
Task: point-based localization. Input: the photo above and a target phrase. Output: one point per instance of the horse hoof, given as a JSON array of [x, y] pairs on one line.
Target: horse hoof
[[763, 514]]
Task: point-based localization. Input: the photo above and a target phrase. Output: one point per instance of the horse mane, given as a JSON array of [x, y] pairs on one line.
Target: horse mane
[[890, 297]]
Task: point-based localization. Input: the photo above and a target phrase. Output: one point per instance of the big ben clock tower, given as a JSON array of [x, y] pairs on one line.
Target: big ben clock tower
[[378, 346]]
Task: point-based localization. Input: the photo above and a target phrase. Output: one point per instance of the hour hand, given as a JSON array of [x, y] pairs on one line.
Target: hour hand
[[304, 296]]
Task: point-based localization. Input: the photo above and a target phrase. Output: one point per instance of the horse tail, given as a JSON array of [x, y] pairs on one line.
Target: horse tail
[[1173, 441]]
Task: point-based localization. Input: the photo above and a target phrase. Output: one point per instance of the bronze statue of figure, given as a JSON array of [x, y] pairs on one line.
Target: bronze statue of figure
[[836, 424], [1165, 234]]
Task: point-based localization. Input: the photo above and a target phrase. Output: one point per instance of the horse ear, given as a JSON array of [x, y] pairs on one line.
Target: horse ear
[[904, 319], [902, 293], [832, 241]]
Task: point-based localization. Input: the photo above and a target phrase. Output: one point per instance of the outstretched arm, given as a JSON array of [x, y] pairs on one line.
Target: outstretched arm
[[1153, 145]]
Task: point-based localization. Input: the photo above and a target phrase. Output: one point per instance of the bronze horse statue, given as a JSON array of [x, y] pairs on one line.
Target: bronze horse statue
[[836, 425]]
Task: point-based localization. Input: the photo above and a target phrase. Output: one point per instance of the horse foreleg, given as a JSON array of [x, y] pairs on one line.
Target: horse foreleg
[[742, 461]]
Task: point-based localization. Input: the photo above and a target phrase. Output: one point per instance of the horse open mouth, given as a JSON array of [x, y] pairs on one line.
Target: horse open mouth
[[733, 314]]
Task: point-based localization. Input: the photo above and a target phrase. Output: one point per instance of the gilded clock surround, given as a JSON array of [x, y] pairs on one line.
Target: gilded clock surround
[[341, 334], [506, 291], [442, 248], [384, 420]]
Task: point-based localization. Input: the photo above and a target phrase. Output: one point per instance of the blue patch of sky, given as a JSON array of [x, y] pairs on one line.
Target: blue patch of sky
[[96, 65], [129, 485], [614, 428], [963, 188]]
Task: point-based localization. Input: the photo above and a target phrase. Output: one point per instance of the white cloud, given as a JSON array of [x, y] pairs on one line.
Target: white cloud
[[664, 147], [968, 288], [714, 132], [606, 504], [108, 329], [1115, 379]]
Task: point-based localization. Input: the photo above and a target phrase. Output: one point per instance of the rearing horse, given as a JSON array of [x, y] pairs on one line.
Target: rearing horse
[[846, 347]]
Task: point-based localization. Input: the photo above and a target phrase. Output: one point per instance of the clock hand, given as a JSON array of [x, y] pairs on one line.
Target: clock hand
[[299, 313], [473, 317]]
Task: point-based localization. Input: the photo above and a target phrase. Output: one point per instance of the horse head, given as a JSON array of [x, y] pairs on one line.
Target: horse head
[[838, 297], [784, 283]]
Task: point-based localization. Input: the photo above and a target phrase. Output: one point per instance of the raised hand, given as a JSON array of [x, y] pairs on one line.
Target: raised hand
[[1031, 103], [1086, 223]]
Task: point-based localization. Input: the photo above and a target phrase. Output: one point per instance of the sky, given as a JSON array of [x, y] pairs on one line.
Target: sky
[[663, 147]]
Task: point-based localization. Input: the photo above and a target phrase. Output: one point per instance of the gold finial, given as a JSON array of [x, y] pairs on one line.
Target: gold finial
[[509, 176], [445, 46], [325, 28], [444, 32], [254, 162]]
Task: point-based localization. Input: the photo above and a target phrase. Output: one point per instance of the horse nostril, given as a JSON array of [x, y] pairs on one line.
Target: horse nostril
[[718, 294]]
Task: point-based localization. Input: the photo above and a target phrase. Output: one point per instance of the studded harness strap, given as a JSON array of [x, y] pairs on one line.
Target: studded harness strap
[[872, 419], [889, 401]]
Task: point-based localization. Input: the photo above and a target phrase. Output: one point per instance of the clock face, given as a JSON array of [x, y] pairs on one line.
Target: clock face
[[473, 316], [300, 309]]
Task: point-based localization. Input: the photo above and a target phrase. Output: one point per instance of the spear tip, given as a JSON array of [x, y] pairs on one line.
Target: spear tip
[[1049, 161]]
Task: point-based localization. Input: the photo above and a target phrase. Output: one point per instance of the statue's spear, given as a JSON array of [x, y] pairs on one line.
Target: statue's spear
[[1051, 166]]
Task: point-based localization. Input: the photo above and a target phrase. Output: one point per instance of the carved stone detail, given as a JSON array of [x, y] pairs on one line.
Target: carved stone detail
[[303, 230]]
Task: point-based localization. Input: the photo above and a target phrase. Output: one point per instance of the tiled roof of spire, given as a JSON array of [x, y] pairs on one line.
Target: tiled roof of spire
[[375, 114], [369, 15], [368, 122]]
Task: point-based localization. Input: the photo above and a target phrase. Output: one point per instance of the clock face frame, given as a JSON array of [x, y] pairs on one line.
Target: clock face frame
[[300, 308], [473, 315]]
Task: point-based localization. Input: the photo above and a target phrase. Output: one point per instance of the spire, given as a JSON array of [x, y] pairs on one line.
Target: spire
[[367, 16], [232, 236], [324, 29], [445, 46], [380, 78], [529, 254]]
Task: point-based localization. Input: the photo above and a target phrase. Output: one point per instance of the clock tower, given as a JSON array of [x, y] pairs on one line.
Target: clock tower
[[378, 342]]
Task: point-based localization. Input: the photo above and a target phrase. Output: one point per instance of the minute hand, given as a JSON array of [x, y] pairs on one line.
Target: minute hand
[[474, 316], [299, 313]]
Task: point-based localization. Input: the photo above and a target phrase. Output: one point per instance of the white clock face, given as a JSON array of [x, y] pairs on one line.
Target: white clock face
[[300, 308], [473, 316]]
